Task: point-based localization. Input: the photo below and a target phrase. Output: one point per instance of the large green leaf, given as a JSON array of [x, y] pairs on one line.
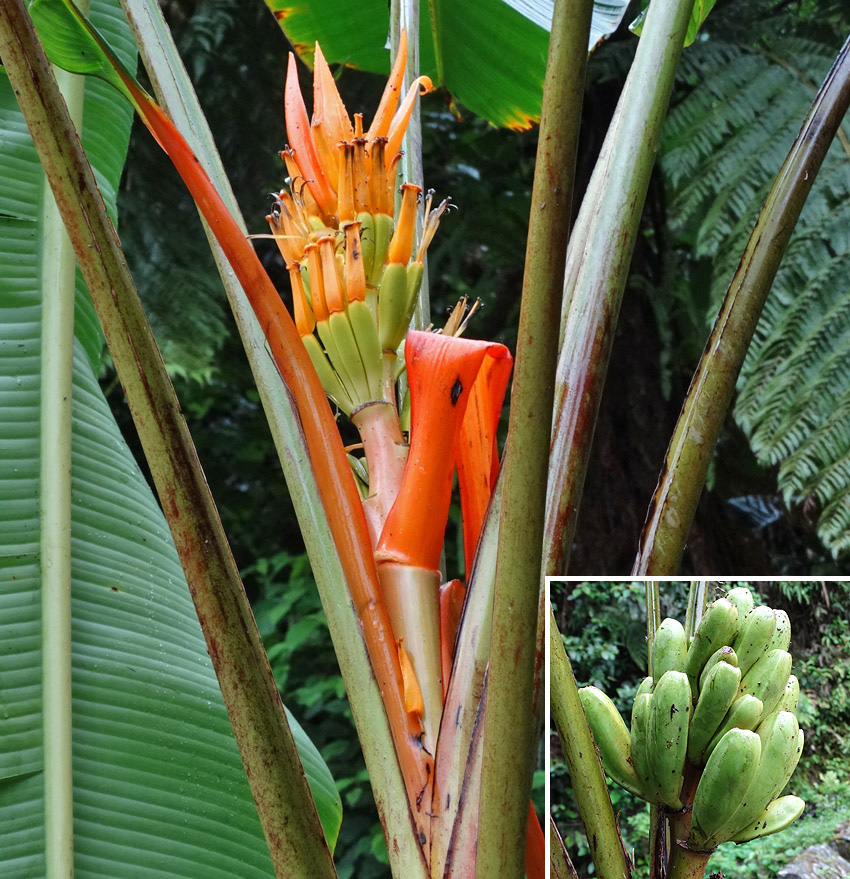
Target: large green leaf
[[722, 147], [159, 788], [490, 54]]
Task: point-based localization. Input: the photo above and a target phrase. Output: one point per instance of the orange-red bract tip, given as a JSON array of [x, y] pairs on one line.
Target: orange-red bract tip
[[301, 141], [401, 245], [441, 372], [413, 701]]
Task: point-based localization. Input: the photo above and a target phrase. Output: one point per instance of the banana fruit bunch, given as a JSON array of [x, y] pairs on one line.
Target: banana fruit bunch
[[715, 729]]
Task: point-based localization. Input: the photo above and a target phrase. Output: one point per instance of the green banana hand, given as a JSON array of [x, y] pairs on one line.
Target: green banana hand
[[715, 699], [777, 816], [745, 713], [612, 739], [727, 654], [718, 628], [768, 678], [778, 736], [754, 637], [724, 784], [669, 648], [743, 599], [668, 735]]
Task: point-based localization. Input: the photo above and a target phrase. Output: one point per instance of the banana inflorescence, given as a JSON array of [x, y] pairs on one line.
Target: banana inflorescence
[[714, 733]]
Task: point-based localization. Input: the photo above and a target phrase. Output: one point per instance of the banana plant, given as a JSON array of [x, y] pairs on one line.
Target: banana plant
[[713, 740], [444, 680]]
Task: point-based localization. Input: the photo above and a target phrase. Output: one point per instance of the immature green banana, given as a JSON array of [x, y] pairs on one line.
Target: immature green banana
[[782, 636], [612, 739], [791, 697], [754, 636], [745, 713], [717, 629], [768, 679], [777, 816], [778, 752], [669, 647], [723, 786], [668, 735], [646, 686], [639, 744], [727, 654], [743, 599], [715, 699]]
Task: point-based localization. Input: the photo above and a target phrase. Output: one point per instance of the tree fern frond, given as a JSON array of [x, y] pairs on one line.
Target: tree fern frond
[[755, 77]]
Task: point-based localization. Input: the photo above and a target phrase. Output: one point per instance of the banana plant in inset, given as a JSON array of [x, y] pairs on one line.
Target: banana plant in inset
[[714, 739]]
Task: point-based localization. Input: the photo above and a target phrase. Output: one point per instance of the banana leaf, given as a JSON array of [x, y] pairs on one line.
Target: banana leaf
[[158, 783]]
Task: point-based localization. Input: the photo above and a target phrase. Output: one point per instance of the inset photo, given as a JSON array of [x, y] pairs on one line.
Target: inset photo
[[699, 728]]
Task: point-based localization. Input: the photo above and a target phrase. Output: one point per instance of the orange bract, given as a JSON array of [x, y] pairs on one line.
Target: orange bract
[[333, 178]]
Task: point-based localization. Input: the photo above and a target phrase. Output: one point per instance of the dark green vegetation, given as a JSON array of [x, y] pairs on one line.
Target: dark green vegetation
[[604, 626], [739, 102]]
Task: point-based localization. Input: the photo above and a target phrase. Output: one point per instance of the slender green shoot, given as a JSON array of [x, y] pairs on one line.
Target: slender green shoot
[[591, 791], [508, 725], [691, 448], [57, 277]]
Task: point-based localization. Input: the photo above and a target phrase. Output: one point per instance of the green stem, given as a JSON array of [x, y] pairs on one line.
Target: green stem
[[692, 445], [386, 454], [404, 14], [58, 276], [685, 863], [560, 864], [508, 724], [611, 230], [286, 809], [653, 618], [697, 603], [174, 88], [591, 792], [462, 703]]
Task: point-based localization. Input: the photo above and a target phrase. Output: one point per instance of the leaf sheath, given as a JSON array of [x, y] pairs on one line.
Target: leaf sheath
[[280, 790]]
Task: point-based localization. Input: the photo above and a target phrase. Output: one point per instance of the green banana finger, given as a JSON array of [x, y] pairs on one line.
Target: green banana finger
[[777, 816], [715, 699], [646, 687], [669, 647], [778, 748], [718, 628], [782, 636], [346, 345], [768, 678], [392, 306], [745, 713], [753, 638], [723, 786], [382, 230], [366, 336], [329, 379], [743, 599], [668, 735], [791, 697], [367, 243], [727, 654], [639, 743], [612, 739]]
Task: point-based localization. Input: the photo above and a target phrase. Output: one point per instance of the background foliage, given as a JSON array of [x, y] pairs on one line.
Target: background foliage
[[748, 522], [604, 629]]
